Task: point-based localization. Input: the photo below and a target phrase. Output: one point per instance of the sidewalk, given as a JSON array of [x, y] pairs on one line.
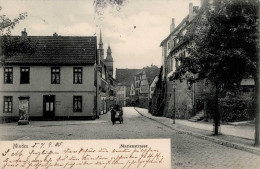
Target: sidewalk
[[234, 136], [50, 123]]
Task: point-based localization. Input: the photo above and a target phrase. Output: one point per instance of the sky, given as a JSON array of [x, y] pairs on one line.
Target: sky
[[134, 30]]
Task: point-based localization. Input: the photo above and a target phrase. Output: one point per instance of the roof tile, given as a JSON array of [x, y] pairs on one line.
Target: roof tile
[[58, 50]]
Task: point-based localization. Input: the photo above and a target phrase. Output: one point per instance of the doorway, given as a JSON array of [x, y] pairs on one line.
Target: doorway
[[49, 107]]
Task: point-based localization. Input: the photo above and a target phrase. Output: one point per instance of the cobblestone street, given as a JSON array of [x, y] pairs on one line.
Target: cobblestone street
[[187, 151]]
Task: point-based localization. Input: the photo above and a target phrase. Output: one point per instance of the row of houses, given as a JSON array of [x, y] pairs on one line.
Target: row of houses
[[136, 86], [63, 77], [183, 97]]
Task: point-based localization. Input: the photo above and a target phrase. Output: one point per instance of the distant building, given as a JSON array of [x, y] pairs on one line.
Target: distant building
[[112, 90], [109, 61], [105, 81], [124, 78], [56, 81], [152, 87], [142, 86]]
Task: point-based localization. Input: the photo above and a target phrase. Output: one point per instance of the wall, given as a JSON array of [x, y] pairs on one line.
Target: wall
[[40, 84], [184, 101], [63, 103], [121, 95], [153, 87], [40, 80]]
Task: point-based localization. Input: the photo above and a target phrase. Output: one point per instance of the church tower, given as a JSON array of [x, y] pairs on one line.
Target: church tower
[[100, 49], [109, 61]]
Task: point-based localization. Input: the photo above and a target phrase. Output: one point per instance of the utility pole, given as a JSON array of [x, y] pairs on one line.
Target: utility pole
[[174, 87]]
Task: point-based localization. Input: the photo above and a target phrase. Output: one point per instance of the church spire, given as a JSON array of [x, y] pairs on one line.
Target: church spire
[[109, 56], [109, 61], [100, 41], [100, 48]]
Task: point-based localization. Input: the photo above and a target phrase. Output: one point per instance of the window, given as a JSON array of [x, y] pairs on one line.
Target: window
[[8, 104], [77, 103], [171, 64], [177, 64], [77, 75], [8, 75], [25, 75], [55, 75]]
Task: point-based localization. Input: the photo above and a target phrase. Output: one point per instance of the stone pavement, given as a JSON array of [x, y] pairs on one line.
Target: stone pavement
[[235, 136]]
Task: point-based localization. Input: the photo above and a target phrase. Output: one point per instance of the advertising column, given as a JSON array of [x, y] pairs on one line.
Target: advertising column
[[23, 110]]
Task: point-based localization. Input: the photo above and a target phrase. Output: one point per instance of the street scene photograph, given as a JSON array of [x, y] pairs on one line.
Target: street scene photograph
[[186, 71]]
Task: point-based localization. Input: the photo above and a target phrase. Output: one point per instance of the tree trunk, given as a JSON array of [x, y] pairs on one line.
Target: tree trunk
[[216, 116], [257, 126], [257, 94], [206, 110]]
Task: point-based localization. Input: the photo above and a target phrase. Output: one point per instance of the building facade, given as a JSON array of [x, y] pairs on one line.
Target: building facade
[[105, 81], [56, 81], [124, 78], [141, 89], [121, 94], [181, 97]]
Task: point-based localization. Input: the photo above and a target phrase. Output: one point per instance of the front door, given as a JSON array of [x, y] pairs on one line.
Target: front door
[[49, 107]]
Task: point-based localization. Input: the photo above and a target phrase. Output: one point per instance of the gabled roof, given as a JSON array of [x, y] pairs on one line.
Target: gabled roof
[[185, 20], [191, 27], [176, 29], [151, 73], [196, 21], [125, 76], [57, 50]]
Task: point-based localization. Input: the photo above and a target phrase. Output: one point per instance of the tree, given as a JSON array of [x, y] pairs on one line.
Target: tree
[[10, 46], [6, 24], [223, 47], [99, 5], [18, 45]]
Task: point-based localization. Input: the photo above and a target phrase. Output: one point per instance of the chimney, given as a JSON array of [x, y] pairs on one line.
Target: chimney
[[190, 11], [24, 33], [55, 34], [172, 26]]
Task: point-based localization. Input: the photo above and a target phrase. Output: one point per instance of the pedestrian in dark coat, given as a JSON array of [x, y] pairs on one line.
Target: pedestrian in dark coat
[[121, 115], [113, 114]]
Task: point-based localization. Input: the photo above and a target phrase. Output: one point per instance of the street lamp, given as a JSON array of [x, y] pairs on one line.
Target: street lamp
[[174, 87]]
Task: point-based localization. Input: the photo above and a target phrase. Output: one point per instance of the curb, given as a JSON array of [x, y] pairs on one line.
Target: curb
[[212, 139]]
